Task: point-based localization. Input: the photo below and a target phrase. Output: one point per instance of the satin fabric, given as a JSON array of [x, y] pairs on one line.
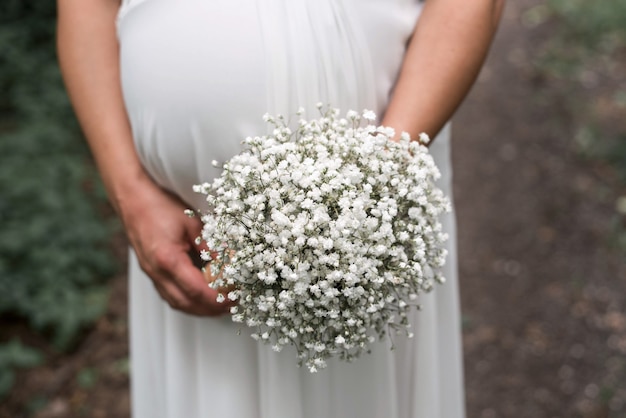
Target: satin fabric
[[197, 76]]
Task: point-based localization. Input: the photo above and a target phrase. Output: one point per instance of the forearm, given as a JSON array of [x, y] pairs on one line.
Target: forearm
[[88, 55], [158, 229], [443, 58]]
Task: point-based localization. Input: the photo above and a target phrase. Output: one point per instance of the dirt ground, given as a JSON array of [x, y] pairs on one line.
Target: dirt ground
[[543, 287]]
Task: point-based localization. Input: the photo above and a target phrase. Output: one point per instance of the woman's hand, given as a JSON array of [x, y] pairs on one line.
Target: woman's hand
[[157, 227], [163, 236]]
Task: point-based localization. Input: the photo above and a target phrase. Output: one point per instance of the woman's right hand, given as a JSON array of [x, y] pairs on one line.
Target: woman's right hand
[[163, 236]]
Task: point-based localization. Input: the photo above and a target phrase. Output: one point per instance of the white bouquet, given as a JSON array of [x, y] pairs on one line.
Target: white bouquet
[[325, 236]]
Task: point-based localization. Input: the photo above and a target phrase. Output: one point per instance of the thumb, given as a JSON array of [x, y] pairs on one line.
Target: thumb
[[193, 283]]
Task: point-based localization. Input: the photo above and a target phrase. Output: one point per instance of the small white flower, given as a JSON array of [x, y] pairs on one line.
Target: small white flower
[[369, 115]]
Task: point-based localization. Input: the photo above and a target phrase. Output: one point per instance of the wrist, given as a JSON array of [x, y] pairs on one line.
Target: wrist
[[126, 187]]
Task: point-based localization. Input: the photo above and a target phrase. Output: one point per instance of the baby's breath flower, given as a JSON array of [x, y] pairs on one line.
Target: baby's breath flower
[[369, 115], [325, 235]]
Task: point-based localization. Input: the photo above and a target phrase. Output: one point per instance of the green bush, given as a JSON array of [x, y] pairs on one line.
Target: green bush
[[54, 250], [592, 23], [588, 43], [14, 355], [585, 35]]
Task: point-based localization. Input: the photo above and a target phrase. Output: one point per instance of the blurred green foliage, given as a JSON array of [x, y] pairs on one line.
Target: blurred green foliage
[[592, 23], [15, 355], [54, 251], [87, 377], [585, 53], [587, 36]]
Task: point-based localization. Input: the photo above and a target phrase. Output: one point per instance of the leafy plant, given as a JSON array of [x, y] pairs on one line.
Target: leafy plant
[[54, 253], [15, 355], [592, 23], [87, 377], [589, 43]]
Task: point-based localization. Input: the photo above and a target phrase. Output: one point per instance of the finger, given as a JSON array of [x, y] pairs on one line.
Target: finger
[[174, 297], [178, 301], [193, 285], [182, 285]]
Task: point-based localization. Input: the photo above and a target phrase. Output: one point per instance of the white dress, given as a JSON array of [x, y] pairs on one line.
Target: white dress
[[197, 76]]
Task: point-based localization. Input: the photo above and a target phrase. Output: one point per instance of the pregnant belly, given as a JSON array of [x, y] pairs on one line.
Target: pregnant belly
[[194, 84], [198, 75], [191, 53]]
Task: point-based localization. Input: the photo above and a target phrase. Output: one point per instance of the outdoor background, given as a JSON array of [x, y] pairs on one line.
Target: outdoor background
[[540, 178]]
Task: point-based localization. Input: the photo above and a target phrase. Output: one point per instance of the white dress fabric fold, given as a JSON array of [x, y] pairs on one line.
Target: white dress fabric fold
[[197, 76]]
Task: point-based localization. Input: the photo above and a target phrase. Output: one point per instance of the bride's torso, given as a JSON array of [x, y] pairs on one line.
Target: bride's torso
[[197, 75]]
